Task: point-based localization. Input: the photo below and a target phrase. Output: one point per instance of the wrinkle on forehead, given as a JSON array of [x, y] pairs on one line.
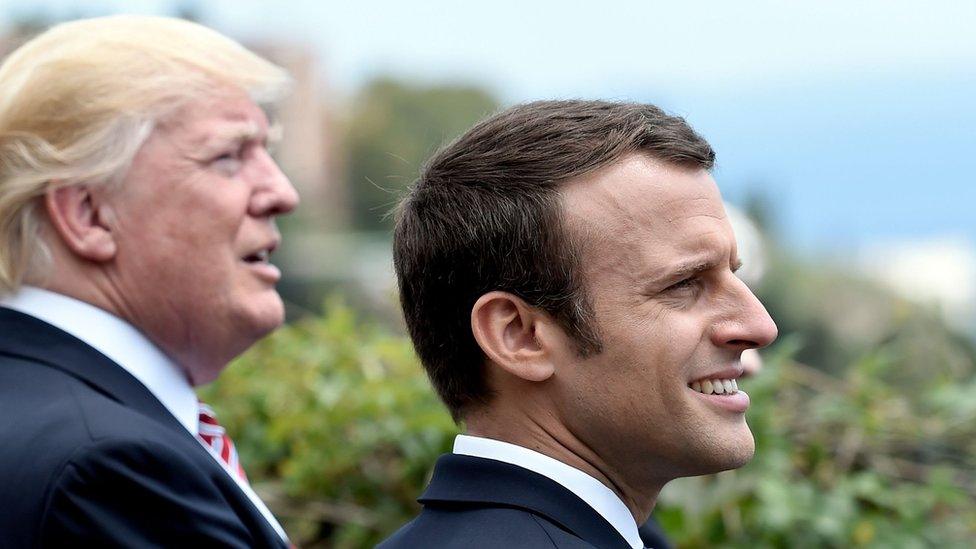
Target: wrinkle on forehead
[[229, 105], [206, 126], [687, 209]]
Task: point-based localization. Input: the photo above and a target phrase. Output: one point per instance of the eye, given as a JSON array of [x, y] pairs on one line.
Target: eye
[[228, 162], [687, 284]]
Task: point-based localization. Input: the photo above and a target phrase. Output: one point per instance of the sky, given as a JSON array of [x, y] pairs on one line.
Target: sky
[[855, 118]]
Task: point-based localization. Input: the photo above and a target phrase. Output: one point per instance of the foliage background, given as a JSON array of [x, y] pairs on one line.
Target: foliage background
[[863, 416], [339, 429]]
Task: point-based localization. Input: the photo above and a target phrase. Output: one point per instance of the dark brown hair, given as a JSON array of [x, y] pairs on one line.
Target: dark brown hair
[[485, 215]]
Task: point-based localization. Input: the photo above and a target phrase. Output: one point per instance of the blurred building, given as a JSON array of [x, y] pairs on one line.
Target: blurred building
[[19, 34], [320, 254], [309, 150], [750, 245], [939, 272]]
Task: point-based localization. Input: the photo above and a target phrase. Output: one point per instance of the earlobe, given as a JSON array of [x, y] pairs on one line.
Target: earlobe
[[81, 222], [505, 328]]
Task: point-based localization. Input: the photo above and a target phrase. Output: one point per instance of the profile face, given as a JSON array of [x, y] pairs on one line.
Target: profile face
[[195, 228], [658, 262]]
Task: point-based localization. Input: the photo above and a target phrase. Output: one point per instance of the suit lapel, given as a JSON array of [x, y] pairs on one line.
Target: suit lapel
[[473, 480], [24, 336]]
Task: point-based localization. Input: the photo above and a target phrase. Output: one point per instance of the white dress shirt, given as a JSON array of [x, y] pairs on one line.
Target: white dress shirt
[[130, 349], [602, 499]]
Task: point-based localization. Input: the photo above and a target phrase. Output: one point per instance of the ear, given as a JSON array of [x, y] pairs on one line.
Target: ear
[[508, 330], [81, 221]]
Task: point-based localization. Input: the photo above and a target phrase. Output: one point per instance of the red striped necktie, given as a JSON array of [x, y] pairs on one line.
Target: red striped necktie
[[214, 436]]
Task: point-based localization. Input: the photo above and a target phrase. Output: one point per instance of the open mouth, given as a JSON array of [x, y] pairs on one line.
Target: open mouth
[[259, 263], [258, 257], [715, 386], [721, 390]]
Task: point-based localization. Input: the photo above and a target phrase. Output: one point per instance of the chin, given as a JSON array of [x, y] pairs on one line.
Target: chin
[[264, 314], [743, 455], [736, 452], [722, 454]]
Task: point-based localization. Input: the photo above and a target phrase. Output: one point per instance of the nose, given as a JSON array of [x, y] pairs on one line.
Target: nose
[[746, 324], [274, 193]]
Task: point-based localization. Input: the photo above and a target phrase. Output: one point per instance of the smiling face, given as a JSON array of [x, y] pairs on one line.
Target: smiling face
[[194, 224], [659, 257]]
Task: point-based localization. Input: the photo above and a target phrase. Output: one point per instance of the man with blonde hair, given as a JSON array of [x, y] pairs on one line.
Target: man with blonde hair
[[137, 207]]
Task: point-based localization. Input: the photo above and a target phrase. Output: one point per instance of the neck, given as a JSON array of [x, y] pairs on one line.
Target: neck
[[558, 442], [98, 288]]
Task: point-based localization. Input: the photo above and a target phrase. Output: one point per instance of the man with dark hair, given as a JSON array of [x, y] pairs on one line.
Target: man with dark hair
[[566, 271]]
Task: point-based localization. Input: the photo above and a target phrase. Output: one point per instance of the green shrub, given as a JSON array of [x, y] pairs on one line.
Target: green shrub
[[337, 426], [339, 429], [850, 461]]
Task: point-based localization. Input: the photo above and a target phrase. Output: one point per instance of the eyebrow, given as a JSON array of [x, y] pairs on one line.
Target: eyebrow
[[695, 267], [237, 134], [686, 270], [240, 133]]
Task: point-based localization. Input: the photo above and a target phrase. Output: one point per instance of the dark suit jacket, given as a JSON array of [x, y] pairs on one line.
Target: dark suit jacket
[[477, 503], [89, 458]]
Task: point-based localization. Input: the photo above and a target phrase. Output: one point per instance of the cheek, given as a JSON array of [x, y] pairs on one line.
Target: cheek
[[679, 336], [207, 226], [187, 258], [664, 355], [663, 345]]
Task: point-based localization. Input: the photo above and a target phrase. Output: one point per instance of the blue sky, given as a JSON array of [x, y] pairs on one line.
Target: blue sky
[[857, 118]]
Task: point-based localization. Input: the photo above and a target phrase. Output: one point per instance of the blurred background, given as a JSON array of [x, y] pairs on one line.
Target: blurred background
[[845, 133]]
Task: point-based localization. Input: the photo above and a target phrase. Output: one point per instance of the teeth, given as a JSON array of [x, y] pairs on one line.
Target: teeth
[[716, 386]]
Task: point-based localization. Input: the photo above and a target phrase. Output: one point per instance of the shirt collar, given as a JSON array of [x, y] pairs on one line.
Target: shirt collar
[[119, 341], [602, 499]]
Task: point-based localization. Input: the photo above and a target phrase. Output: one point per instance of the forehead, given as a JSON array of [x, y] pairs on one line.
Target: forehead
[[226, 114], [642, 213]]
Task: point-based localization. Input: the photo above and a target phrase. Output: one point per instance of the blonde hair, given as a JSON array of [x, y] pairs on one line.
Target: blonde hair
[[78, 101]]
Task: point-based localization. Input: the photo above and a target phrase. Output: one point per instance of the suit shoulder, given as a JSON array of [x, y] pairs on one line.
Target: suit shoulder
[[43, 424], [129, 456], [107, 483], [476, 527], [68, 411], [117, 468], [65, 439], [127, 469]]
